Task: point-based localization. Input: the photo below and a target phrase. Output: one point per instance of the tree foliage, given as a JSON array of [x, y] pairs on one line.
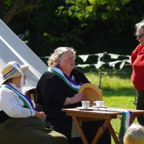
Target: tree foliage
[[90, 26], [94, 9], [10, 8]]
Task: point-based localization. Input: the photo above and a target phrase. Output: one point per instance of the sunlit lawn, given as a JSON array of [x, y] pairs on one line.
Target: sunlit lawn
[[118, 91]]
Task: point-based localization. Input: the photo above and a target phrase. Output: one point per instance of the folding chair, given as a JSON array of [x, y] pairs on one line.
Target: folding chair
[[32, 94]]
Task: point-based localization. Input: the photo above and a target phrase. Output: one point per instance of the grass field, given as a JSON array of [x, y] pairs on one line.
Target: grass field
[[118, 90]]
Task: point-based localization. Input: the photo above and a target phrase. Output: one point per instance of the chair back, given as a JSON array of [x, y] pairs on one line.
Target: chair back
[[32, 94]]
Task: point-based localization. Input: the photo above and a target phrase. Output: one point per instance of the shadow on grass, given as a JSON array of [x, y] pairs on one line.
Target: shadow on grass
[[123, 74], [120, 89], [128, 92]]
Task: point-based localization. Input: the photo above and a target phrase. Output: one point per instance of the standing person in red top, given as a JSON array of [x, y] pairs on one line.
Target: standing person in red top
[[137, 77]]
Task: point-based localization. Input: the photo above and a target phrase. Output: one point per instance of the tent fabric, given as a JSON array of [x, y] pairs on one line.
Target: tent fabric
[[12, 48]]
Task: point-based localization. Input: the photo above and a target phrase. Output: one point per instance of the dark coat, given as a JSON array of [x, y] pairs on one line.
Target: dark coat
[[51, 94]]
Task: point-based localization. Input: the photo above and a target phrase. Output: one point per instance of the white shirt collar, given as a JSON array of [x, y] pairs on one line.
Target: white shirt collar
[[14, 86]]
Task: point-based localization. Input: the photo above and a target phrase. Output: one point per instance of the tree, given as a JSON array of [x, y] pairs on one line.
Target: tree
[[90, 26], [93, 9], [11, 8]]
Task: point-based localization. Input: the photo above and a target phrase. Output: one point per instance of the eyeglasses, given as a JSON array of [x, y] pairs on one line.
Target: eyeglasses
[[69, 59], [139, 36]]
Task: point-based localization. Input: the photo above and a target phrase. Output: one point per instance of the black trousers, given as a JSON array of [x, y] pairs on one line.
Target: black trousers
[[140, 105]]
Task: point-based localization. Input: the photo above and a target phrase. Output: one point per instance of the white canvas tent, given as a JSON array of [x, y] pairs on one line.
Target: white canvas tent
[[12, 48]]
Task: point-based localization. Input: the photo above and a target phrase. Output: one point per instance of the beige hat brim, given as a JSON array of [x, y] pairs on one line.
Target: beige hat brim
[[23, 68], [92, 92]]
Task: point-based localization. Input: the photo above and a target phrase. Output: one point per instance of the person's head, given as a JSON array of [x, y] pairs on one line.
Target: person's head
[[134, 135], [140, 32], [13, 72], [64, 57]]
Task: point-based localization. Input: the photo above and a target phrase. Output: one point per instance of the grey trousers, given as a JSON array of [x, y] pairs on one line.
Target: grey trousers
[[140, 105]]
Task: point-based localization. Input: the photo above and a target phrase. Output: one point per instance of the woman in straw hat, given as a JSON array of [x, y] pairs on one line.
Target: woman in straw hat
[[58, 88], [19, 122]]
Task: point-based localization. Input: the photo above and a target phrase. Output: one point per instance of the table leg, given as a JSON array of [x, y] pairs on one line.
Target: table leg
[[100, 131], [80, 130], [133, 119], [113, 133]]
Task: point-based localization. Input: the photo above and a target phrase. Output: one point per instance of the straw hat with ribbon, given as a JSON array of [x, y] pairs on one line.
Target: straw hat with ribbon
[[13, 69], [92, 92]]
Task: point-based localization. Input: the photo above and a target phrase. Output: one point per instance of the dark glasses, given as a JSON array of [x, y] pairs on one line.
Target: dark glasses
[[139, 36]]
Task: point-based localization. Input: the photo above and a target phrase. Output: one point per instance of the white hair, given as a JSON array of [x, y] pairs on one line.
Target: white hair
[[140, 25], [134, 134], [55, 57]]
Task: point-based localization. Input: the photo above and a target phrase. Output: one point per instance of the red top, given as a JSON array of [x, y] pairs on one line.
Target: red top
[[137, 59]]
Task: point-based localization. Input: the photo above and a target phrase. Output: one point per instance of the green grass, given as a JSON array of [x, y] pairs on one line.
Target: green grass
[[118, 90]]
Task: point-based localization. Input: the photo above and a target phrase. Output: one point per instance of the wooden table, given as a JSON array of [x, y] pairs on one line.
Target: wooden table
[[93, 115]]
